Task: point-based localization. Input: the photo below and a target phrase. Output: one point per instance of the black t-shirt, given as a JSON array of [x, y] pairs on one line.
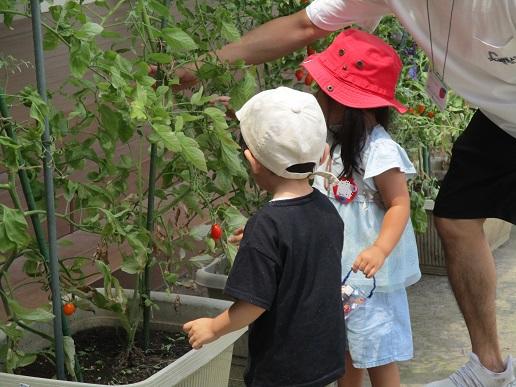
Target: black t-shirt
[[289, 264]]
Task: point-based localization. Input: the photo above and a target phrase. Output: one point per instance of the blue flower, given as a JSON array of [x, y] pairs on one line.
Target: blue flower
[[412, 72]]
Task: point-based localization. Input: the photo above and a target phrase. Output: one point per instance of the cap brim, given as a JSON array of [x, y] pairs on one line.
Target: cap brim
[[346, 93]]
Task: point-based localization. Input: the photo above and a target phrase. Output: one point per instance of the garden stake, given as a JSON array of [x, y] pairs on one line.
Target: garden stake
[[150, 205], [34, 217], [49, 193]]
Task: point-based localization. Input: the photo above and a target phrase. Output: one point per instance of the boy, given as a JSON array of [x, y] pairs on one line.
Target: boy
[[286, 277]]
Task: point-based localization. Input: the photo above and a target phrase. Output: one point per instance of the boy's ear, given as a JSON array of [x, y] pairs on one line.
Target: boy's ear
[[325, 154], [256, 166]]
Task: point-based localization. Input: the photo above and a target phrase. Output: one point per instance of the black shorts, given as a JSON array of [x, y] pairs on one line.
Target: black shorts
[[481, 180]]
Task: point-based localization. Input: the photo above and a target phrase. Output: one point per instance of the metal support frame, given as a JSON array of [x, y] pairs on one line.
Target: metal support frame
[[49, 193]]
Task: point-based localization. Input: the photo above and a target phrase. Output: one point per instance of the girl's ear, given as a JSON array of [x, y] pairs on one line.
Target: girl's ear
[[325, 155], [256, 166]]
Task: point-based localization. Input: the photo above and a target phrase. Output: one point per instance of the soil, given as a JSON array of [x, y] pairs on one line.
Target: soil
[[103, 361]]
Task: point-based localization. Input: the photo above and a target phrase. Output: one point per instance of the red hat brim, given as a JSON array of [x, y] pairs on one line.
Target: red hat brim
[[344, 92]]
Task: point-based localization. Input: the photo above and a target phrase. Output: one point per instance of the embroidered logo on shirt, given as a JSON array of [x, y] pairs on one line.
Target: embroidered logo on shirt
[[493, 57], [346, 190]]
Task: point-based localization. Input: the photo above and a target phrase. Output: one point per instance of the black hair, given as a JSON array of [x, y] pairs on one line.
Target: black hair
[[351, 133]]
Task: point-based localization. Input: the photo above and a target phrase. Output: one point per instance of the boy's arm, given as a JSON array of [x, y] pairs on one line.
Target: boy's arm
[[205, 330]]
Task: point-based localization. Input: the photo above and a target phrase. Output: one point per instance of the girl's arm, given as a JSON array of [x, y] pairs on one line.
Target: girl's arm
[[205, 330], [392, 185]]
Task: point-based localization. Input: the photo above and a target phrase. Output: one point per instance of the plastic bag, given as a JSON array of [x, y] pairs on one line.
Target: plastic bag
[[352, 297]]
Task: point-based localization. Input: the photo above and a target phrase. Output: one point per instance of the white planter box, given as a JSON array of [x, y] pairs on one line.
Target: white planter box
[[212, 277], [208, 366]]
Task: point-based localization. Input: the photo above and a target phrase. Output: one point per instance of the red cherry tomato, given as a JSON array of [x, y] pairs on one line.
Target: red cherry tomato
[[420, 108], [299, 74], [431, 114], [69, 309], [309, 80], [216, 231]]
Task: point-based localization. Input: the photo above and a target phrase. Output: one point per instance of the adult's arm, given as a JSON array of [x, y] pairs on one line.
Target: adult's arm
[[272, 40]]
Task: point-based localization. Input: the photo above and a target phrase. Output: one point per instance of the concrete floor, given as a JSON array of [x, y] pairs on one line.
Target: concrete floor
[[441, 341]]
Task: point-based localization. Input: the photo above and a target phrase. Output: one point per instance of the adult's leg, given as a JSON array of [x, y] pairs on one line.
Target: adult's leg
[[387, 375], [472, 275], [353, 377]]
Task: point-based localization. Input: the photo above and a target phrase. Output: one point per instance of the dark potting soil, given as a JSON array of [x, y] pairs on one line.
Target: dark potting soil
[[103, 361]]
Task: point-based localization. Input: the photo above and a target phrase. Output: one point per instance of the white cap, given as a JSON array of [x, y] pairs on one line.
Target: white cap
[[283, 127]]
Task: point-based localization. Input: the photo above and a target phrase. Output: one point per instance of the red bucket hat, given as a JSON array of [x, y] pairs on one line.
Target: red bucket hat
[[358, 70]]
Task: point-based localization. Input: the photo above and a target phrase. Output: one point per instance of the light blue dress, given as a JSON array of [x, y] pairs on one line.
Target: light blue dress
[[379, 332], [363, 216]]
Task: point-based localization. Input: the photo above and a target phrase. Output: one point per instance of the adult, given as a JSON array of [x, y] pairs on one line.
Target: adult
[[472, 47]]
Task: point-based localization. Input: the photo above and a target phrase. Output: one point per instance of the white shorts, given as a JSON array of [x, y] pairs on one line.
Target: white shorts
[[379, 332]]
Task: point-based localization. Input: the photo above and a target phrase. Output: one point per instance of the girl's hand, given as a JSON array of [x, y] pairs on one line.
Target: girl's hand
[[369, 261], [200, 332]]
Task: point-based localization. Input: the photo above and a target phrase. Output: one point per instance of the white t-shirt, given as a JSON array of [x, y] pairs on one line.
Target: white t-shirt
[[481, 60]]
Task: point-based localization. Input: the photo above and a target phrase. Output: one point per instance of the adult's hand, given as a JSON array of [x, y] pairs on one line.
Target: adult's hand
[[187, 77]]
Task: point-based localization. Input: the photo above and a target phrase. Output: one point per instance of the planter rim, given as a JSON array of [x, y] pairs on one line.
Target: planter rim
[[207, 277], [182, 367]]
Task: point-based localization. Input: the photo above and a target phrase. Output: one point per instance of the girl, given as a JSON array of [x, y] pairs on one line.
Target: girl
[[357, 76]]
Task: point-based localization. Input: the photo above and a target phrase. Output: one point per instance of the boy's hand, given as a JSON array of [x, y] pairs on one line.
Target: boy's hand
[[369, 261], [237, 236], [200, 332]]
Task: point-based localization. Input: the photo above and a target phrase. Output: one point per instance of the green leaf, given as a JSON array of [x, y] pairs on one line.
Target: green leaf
[[10, 152], [125, 131], [14, 233], [191, 152], [79, 58], [234, 219], [168, 137], [180, 143], [170, 278], [231, 159], [243, 90], [229, 31], [50, 41], [217, 116], [179, 123], [196, 97], [231, 252], [159, 8], [88, 31], [159, 57], [69, 351], [36, 314], [109, 120], [199, 232], [25, 359], [178, 40], [223, 181]]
